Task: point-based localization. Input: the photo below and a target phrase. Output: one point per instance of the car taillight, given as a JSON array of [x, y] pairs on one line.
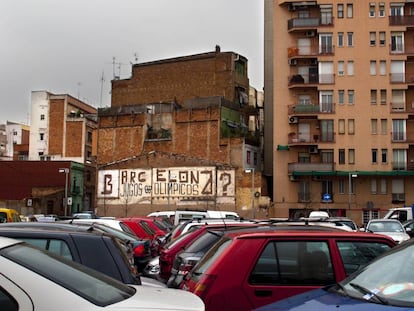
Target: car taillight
[[204, 284], [140, 251], [187, 266]]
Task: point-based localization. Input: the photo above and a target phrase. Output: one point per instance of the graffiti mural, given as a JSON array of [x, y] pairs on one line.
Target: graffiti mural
[[134, 186]]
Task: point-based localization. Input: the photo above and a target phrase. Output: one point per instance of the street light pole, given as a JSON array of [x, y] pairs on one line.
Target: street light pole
[[251, 170], [65, 203]]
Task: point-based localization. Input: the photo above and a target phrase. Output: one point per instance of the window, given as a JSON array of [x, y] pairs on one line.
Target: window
[[326, 15], [349, 10], [341, 126], [8, 303], [374, 125], [341, 68], [350, 36], [398, 100], [304, 192], [293, 263], [42, 117], [341, 186], [367, 215], [383, 186], [383, 126], [372, 9], [89, 137], [383, 67], [399, 159], [341, 156], [373, 97], [357, 254], [350, 68], [351, 96], [397, 188], [326, 43], [373, 186], [373, 67], [372, 38], [384, 156], [382, 38], [327, 187], [42, 136], [381, 9], [340, 39], [398, 130], [351, 156], [351, 126], [397, 42], [374, 156], [58, 247], [341, 97], [383, 97], [340, 10], [248, 157]]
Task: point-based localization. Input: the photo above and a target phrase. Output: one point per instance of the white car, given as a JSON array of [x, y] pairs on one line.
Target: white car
[[391, 227], [33, 279]]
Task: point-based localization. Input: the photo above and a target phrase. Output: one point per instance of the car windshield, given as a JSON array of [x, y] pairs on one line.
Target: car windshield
[[385, 226], [93, 286], [388, 279]]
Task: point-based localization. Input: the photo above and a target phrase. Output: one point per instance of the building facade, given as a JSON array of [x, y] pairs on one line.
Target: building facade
[[62, 129], [339, 94], [186, 128]]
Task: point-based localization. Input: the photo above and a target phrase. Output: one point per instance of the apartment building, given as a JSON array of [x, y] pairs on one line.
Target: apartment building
[[62, 129], [339, 105]]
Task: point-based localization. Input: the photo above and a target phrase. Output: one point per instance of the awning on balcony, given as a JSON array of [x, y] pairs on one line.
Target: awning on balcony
[[359, 173], [282, 147]]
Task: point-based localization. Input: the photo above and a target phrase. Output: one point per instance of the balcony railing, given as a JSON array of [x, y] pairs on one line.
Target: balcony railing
[[296, 139], [312, 109], [401, 20], [311, 22], [312, 50], [310, 167], [306, 79]]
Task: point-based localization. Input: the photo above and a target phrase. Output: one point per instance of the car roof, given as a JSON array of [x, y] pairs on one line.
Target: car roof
[[298, 231]]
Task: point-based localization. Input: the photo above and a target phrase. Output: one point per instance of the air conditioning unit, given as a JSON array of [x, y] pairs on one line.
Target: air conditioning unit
[[293, 120], [293, 62], [313, 150], [310, 34]]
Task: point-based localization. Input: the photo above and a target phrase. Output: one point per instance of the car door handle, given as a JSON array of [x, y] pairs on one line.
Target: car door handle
[[263, 293]]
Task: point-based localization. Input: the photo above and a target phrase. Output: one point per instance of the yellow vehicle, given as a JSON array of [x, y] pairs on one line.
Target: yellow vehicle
[[9, 215]]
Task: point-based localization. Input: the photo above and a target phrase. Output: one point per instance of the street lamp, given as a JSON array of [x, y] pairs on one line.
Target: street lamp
[[65, 203], [350, 176], [251, 171]]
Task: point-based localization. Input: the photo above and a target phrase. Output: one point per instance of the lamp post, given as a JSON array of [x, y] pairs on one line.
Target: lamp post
[[251, 171], [350, 176], [65, 203]]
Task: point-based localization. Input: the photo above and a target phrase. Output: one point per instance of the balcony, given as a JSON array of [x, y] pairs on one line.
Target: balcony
[[296, 138], [312, 50], [311, 167], [407, 20], [304, 23], [310, 109], [310, 79]]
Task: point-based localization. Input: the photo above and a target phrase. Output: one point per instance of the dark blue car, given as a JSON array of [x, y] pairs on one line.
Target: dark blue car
[[386, 284]]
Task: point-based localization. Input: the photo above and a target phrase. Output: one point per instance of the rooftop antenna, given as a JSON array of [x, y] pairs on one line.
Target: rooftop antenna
[[102, 83], [114, 63]]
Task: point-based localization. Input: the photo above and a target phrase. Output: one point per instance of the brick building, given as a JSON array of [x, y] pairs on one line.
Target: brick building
[[182, 125]]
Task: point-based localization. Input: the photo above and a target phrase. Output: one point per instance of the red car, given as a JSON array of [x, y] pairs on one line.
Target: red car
[[247, 269], [170, 250]]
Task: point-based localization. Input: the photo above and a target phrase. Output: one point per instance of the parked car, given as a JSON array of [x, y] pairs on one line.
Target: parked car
[[99, 251], [170, 250], [386, 284], [391, 227], [140, 249], [181, 215], [9, 215], [33, 279], [250, 268], [409, 227]]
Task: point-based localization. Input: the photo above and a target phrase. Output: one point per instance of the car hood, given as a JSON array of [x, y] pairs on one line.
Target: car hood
[[397, 236], [148, 298], [322, 300]]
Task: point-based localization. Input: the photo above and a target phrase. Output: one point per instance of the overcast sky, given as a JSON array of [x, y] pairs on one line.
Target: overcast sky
[[67, 46]]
